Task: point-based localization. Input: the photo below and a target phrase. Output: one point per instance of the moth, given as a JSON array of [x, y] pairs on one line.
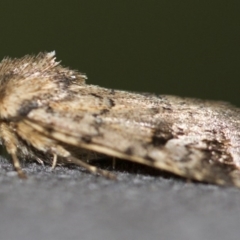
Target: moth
[[49, 114]]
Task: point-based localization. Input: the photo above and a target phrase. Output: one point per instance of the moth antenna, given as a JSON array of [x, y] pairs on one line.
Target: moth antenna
[[90, 168]]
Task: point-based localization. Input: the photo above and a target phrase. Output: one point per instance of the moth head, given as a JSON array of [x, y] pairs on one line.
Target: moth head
[[33, 80]]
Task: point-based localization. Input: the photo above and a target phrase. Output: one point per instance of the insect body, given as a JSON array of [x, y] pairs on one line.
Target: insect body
[[48, 113]]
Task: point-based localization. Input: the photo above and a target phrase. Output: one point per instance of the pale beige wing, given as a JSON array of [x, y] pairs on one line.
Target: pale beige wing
[[162, 132]]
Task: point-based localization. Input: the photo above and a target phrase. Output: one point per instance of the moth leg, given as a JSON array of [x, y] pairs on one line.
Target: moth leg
[[40, 161], [114, 163], [17, 167], [88, 157], [91, 168], [11, 143], [54, 163]]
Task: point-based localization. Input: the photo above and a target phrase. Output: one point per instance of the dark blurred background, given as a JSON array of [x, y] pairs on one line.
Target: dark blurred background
[[188, 48]]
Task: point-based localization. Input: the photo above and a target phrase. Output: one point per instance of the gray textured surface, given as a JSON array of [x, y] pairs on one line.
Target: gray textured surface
[[72, 204]]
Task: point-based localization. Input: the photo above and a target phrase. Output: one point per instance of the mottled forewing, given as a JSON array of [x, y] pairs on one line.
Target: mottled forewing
[[155, 131]]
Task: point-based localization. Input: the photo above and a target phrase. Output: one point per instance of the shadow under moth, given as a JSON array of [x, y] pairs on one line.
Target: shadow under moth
[[49, 114]]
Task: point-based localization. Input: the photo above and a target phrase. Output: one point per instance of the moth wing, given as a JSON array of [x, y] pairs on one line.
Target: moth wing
[[117, 134]]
